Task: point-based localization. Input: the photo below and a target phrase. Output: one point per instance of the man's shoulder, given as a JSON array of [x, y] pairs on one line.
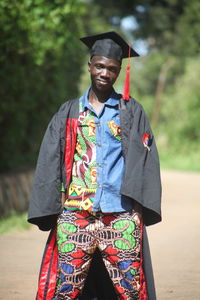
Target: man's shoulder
[[68, 104], [69, 108], [136, 103], [133, 105]]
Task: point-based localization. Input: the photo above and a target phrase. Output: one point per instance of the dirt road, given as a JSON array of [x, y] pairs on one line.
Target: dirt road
[[175, 247]]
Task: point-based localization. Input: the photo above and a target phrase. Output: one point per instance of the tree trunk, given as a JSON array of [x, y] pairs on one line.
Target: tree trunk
[[159, 90]]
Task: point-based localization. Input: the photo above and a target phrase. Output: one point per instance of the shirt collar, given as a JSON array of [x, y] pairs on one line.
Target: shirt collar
[[113, 100]]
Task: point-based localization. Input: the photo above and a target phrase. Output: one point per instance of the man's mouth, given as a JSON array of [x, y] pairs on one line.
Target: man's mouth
[[103, 82]]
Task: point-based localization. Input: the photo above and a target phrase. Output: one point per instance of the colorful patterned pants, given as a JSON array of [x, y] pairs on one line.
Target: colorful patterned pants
[[118, 237]]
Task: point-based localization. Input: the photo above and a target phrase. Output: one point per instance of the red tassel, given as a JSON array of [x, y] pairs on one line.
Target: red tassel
[[126, 95], [127, 84]]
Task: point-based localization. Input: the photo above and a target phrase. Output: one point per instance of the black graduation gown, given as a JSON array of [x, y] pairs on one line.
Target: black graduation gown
[[141, 182]]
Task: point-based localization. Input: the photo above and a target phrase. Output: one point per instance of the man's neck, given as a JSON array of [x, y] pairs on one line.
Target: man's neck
[[96, 96], [97, 99]]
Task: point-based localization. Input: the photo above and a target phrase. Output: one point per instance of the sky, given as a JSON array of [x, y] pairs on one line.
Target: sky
[[128, 25]]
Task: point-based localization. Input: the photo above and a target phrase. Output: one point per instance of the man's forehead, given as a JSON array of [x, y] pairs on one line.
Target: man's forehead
[[105, 60]]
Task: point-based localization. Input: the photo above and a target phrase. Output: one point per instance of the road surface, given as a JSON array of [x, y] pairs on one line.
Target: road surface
[[174, 243]]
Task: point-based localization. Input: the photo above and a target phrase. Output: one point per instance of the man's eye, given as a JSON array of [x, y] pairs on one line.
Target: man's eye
[[99, 66]]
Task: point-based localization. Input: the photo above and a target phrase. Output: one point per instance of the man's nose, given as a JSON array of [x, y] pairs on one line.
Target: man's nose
[[105, 72]]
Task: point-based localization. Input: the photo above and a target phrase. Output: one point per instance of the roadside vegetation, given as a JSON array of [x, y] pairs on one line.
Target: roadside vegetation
[[13, 223]]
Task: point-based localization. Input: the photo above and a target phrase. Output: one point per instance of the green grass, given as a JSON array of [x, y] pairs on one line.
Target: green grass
[[13, 223], [188, 162]]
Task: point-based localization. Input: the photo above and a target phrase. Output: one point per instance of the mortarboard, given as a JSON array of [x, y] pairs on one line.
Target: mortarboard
[[108, 44], [111, 45]]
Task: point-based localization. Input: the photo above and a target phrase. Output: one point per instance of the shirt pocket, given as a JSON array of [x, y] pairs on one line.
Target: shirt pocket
[[87, 127], [114, 129]]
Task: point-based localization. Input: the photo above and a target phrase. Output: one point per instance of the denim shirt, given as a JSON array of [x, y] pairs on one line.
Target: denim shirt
[[109, 159]]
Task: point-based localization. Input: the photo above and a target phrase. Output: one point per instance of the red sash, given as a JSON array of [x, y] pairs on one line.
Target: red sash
[[48, 270]]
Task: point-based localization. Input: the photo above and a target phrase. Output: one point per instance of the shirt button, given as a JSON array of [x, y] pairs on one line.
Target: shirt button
[[99, 186], [99, 145], [99, 165]]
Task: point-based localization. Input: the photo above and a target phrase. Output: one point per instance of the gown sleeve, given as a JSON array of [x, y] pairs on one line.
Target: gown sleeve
[[45, 202]]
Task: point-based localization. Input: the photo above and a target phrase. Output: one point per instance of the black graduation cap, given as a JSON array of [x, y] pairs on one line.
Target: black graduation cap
[[111, 45], [108, 44]]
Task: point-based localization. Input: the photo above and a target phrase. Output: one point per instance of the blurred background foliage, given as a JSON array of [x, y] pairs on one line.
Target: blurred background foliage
[[43, 64]]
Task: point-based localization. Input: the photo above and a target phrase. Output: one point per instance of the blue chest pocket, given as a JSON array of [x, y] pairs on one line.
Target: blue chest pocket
[[114, 128]]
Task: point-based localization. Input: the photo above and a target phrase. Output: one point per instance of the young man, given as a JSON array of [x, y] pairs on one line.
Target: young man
[[101, 148]]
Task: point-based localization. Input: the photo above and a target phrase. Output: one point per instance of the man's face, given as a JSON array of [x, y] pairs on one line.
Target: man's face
[[104, 72]]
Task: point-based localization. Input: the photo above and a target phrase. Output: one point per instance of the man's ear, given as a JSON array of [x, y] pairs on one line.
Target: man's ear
[[89, 65]]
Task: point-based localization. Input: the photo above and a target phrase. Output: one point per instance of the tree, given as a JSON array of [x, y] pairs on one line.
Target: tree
[[40, 61]]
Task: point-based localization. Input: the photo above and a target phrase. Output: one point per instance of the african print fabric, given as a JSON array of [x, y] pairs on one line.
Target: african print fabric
[[118, 237], [82, 189]]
